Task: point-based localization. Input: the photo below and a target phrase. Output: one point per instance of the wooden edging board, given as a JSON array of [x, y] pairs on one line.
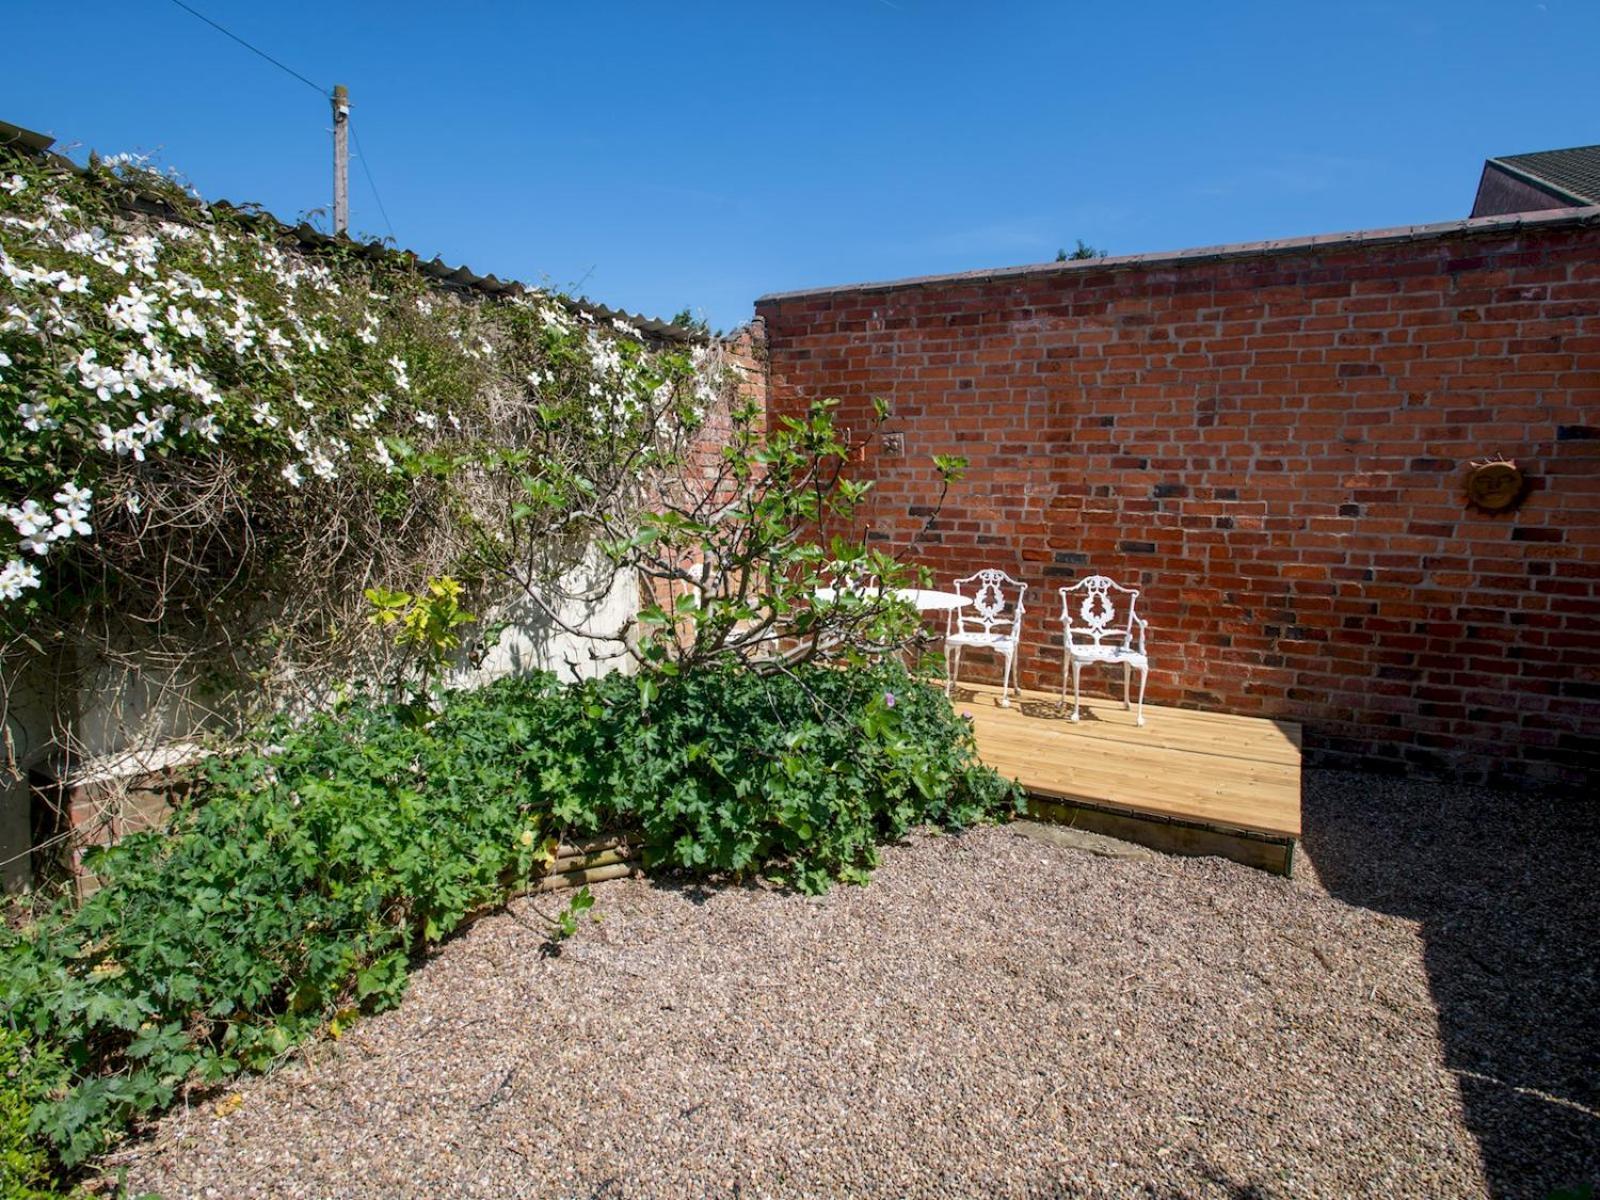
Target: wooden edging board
[[1170, 835]]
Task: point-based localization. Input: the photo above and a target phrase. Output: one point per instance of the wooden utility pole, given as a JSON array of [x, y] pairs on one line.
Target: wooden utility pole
[[341, 159]]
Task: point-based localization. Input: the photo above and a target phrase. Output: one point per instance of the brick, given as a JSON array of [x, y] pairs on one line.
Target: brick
[[1268, 447]]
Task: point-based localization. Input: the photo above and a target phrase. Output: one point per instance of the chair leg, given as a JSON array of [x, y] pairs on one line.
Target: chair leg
[[949, 672], [1127, 676], [1005, 680], [1077, 670], [1144, 676]]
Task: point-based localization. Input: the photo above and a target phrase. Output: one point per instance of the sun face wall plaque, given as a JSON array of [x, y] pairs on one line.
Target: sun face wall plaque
[[1496, 485]]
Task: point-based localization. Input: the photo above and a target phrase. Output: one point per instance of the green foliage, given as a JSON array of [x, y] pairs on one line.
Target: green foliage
[[294, 895], [25, 1073], [1080, 252], [566, 921], [687, 318], [736, 557], [296, 890], [798, 775], [426, 622]]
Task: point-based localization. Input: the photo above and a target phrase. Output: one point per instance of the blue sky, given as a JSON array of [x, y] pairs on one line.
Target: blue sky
[[656, 156]]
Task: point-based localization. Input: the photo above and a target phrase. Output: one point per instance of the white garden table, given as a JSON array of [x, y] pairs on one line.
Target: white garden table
[[922, 599], [930, 600]]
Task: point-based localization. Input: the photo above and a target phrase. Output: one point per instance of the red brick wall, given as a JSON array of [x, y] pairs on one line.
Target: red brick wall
[[1271, 442], [743, 354]]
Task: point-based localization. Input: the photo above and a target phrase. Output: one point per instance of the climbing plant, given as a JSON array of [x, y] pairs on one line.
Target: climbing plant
[[213, 442]]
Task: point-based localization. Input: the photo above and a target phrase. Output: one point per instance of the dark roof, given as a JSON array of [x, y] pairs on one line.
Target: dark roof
[[1572, 174], [26, 141]]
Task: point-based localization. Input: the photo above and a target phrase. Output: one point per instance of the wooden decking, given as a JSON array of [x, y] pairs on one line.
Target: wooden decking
[[1187, 782]]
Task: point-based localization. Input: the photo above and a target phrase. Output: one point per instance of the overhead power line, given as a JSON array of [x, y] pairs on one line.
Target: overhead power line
[[321, 91], [326, 93], [361, 153]]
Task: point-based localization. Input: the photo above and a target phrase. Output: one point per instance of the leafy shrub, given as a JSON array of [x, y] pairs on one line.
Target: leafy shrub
[[800, 774], [425, 623], [311, 869], [24, 1164]]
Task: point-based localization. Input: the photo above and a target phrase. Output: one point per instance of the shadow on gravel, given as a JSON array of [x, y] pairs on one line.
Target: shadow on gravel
[[700, 892], [1506, 888]]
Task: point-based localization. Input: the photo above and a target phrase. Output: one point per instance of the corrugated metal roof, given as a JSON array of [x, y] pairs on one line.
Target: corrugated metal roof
[[26, 141], [466, 279], [15, 137], [1573, 173]]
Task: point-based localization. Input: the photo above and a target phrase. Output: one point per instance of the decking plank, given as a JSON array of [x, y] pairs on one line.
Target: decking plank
[[1213, 770]]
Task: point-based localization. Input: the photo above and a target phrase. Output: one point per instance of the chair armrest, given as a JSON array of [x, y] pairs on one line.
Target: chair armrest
[[1143, 625]]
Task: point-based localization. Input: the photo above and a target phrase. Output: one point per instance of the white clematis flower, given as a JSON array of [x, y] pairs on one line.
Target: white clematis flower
[[17, 577], [36, 418], [29, 520]]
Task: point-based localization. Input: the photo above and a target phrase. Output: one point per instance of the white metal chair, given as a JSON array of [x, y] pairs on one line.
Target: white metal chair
[[993, 621], [1097, 612]]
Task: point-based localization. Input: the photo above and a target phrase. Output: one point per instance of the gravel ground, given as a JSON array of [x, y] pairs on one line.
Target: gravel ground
[[991, 1016]]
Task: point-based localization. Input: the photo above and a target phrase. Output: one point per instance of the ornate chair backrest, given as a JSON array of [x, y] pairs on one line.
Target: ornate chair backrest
[[1093, 602], [997, 603]]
